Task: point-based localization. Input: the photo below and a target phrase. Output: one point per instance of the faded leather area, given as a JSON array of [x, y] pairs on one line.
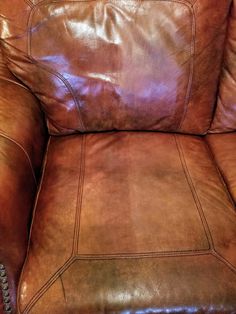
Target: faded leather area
[[223, 147], [128, 220], [225, 116], [161, 73]]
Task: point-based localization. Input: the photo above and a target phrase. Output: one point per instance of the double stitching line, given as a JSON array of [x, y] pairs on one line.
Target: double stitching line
[[194, 192], [206, 227], [49, 69], [24, 151]]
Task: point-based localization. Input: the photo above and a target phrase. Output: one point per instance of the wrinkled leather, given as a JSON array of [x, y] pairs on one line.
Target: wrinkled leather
[[225, 117], [118, 229], [22, 138], [118, 65], [223, 147]]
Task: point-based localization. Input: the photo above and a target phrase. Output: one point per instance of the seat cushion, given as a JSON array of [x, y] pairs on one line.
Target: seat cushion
[[223, 147], [130, 223], [118, 65]]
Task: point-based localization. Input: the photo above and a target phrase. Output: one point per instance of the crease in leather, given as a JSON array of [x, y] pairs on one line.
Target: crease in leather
[[79, 197], [63, 289], [58, 76], [23, 150]]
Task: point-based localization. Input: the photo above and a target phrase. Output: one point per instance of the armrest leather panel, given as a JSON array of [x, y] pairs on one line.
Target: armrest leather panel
[[22, 142]]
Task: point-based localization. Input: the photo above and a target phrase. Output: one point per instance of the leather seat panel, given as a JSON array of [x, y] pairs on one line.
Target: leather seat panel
[[113, 195], [127, 195]]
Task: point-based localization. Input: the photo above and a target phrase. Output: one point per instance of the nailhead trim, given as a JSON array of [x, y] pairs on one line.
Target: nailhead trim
[[5, 290]]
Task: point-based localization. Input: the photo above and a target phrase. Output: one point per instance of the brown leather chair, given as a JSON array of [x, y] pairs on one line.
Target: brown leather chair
[[118, 148]]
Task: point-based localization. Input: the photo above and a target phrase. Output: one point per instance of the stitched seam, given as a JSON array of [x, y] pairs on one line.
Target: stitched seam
[[76, 230], [43, 290], [30, 4], [194, 193], [185, 2], [32, 222], [190, 83], [24, 151], [142, 255], [50, 70], [220, 174], [46, 286], [79, 197], [224, 261], [12, 81]]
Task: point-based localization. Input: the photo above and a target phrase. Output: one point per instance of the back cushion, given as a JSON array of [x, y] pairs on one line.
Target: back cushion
[[118, 64], [225, 117]]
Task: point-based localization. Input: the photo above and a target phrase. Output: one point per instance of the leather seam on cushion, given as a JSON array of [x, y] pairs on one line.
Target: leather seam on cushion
[[32, 222], [220, 174], [224, 261], [74, 248], [190, 83], [141, 255], [24, 151], [30, 4], [13, 82], [42, 2], [70, 262], [79, 197], [194, 193], [49, 69], [47, 285]]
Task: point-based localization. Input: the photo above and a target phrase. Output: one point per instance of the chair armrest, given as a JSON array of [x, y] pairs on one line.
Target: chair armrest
[[22, 142]]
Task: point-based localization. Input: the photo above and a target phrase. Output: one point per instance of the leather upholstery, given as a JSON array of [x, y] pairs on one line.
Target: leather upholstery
[[132, 229], [225, 117], [91, 75], [22, 137], [223, 147], [129, 221]]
